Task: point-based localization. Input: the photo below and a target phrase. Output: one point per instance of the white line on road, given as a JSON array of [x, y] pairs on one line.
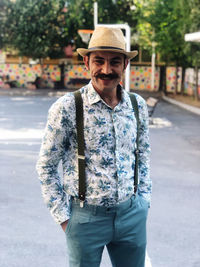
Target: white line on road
[[24, 133], [159, 123]]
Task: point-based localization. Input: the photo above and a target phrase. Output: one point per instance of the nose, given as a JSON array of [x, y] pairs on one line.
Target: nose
[[106, 68]]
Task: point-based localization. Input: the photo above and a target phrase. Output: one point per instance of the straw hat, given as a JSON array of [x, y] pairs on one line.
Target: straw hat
[[107, 39]]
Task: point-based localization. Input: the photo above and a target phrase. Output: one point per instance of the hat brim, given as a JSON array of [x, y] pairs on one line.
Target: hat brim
[[83, 51]]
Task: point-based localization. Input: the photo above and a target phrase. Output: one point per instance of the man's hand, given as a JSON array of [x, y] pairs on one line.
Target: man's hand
[[64, 225]]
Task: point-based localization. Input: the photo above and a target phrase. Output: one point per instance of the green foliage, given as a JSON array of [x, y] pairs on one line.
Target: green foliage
[[3, 7], [161, 22], [168, 31], [192, 49], [145, 13], [81, 15], [41, 28], [36, 28], [166, 23]]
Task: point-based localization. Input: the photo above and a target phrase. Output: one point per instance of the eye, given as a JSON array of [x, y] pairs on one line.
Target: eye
[[99, 62], [115, 62]]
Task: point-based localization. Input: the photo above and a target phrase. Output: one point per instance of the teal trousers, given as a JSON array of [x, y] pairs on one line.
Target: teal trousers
[[122, 229]]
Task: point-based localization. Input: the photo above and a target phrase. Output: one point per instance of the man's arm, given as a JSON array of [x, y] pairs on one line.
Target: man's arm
[[51, 153], [145, 183]]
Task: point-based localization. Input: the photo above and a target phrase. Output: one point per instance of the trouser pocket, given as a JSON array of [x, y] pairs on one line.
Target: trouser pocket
[[77, 222]]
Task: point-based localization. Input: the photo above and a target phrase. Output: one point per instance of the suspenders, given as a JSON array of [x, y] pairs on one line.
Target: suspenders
[[80, 141], [135, 107]]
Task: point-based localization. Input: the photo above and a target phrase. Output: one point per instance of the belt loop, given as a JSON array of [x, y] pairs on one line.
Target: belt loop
[[131, 202], [133, 199]]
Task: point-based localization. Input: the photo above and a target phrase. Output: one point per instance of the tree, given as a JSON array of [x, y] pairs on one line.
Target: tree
[[165, 22], [40, 29], [43, 28], [193, 48], [162, 22], [81, 15], [36, 28], [3, 7]]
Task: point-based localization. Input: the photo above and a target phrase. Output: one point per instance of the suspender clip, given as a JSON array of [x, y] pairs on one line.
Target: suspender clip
[[137, 151], [81, 157]]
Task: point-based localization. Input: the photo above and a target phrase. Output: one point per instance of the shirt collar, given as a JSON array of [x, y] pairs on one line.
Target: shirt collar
[[94, 97], [125, 99]]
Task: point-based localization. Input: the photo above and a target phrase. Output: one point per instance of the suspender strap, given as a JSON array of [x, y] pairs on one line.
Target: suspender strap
[[81, 147], [135, 107]]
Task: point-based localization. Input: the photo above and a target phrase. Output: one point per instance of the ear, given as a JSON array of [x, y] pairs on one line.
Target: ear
[[126, 61], [86, 61]]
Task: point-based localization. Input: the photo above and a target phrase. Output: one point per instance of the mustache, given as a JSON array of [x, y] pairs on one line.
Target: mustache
[[107, 76]]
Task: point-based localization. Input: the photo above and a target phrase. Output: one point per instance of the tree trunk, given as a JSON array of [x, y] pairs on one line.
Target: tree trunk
[[140, 54], [62, 75], [39, 79], [176, 80], [183, 80], [162, 85], [196, 94], [42, 67]]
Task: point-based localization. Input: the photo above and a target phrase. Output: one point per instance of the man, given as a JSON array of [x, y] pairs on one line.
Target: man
[[114, 213]]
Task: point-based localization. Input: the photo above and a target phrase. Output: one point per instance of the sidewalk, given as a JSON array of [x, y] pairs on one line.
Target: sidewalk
[[190, 108]]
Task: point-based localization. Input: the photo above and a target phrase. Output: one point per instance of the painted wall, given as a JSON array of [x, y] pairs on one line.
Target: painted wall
[[140, 76], [171, 79], [190, 82], [24, 73], [76, 71]]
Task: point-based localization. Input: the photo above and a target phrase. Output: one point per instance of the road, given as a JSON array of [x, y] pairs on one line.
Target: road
[[29, 236]]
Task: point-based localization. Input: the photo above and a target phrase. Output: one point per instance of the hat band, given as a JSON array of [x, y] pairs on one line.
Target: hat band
[[105, 47]]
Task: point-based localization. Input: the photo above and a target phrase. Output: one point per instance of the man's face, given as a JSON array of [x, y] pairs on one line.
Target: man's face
[[106, 69]]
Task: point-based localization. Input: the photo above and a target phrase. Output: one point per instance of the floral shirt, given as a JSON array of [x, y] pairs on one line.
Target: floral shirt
[[110, 140]]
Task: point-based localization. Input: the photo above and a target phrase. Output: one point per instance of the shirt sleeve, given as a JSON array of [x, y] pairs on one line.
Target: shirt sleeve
[[51, 153], [145, 183]]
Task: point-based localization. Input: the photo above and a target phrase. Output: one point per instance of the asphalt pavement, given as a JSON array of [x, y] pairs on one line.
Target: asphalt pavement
[[30, 238], [174, 220]]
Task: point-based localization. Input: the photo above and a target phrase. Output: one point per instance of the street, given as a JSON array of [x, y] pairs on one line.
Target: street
[[30, 238], [174, 217]]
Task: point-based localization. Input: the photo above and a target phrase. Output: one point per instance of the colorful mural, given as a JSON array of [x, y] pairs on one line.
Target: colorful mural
[[76, 71], [140, 76], [24, 73], [190, 82], [171, 79]]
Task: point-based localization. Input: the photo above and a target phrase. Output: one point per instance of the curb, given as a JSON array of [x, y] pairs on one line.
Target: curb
[[192, 109]]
